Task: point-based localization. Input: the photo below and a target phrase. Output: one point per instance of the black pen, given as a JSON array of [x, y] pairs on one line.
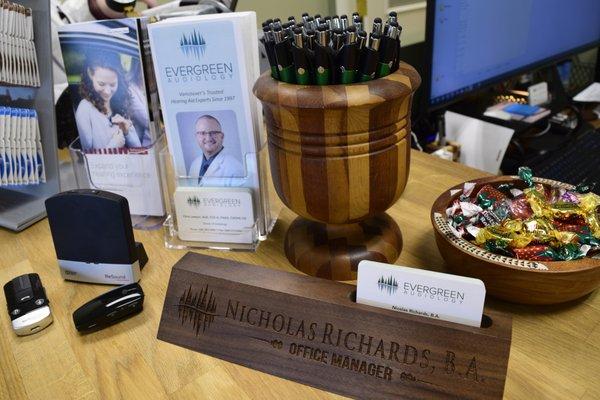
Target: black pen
[[309, 39], [301, 65], [361, 40], [357, 22], [348, 57], [337, 39], [344, 22], [322, 57], [335, 23], [388, 51], [392, 17], [377, 26], [285, 66], [318, 19], [288, 29], [292, 19], [369, 59], [310, 23], [397, 58], [270, 49]]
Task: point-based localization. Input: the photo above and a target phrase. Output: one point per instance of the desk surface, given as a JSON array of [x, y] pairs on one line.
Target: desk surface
[[555, 350]]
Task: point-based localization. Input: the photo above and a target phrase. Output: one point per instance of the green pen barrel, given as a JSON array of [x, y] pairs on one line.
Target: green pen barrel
[[383, 69], [302, 77], [274, 72], [348, 76], [323, 77], [287, 74]]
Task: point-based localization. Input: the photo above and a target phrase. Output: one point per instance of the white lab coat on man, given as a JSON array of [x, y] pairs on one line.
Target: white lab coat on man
[[225, 170]]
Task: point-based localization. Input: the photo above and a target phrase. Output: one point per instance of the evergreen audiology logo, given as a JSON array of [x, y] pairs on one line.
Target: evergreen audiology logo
[[436, 293], [194, 201], [389, 284], [199, 309], [194, 61], [192, 44]]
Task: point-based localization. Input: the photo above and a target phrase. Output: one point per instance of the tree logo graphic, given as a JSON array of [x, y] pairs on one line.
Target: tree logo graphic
[[197, 309], [389, 284], [193, 201], [193, 44]]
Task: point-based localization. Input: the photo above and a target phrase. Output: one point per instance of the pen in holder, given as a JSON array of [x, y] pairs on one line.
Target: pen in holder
[[339, 158]]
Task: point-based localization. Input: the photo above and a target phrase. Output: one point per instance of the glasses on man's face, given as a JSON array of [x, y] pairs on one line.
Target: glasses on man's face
[[208, 133]]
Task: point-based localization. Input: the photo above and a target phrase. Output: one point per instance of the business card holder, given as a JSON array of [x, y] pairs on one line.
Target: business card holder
[[204, 231], [310, 330]]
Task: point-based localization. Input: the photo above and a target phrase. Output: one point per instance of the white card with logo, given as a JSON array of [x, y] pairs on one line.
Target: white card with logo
[[425, 293], [214, 214]]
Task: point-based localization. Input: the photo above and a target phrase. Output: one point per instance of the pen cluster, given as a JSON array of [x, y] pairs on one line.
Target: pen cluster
[[18, 61], [331, 50]]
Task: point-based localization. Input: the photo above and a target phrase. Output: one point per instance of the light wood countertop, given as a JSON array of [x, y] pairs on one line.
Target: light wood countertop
[[555, 350]]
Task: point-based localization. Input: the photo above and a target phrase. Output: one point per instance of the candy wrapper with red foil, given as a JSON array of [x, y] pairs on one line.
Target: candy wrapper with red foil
[[530, 221]]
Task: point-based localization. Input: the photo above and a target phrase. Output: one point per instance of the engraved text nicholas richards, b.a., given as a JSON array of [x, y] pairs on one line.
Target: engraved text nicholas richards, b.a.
[[331, 336]]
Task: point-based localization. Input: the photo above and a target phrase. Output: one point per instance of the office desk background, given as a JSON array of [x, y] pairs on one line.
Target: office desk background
[[555, 350]]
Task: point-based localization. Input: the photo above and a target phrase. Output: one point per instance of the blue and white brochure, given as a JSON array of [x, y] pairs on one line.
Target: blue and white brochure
[[205, 68]]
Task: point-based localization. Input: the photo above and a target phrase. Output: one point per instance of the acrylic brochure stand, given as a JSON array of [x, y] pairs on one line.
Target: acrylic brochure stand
[[132, 173], [243, 236]]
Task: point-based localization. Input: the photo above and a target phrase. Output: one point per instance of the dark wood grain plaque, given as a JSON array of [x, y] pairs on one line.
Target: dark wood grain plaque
[[311, 331]]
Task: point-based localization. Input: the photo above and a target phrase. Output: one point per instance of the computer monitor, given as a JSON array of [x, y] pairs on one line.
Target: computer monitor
[[472, 44]]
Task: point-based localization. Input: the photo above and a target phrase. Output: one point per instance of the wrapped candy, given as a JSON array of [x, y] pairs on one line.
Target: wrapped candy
[[565, 252], [539, 223], [526, 175], [585, 187], [497, 247], [492, 193], [520, 208], [533, 253]]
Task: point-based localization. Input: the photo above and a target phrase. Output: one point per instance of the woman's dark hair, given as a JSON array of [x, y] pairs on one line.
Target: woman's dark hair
[[120, 101]]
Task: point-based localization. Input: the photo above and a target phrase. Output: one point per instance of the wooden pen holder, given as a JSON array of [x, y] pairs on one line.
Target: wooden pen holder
[[340, 157], [311, 331]]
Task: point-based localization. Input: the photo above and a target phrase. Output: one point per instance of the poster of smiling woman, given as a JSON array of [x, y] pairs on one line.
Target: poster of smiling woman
[[117, 132], [106, 82]]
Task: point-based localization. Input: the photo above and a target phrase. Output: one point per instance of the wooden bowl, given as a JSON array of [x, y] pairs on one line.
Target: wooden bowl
[[511, 279]]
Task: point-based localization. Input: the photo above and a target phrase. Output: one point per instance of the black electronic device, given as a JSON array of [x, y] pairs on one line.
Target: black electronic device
[[109, 308], [28, 306], [93, 237]]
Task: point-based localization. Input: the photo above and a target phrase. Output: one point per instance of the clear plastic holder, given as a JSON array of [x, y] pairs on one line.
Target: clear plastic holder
[[133, 173], [263, 218]]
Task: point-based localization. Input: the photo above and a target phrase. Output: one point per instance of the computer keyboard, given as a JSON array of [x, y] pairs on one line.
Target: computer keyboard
[[578, 162]]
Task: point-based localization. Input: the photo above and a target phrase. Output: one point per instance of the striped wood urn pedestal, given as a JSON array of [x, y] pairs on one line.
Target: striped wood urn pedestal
[[340, 157]]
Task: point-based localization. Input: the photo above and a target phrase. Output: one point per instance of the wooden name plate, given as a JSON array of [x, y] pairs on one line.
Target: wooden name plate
[[309, 330]]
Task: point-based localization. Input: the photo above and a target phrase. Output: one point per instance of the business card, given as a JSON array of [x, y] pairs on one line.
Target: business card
[[214, 214], [425, 293]]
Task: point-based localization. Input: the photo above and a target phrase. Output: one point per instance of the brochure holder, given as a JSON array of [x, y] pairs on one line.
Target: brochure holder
[[251, 233], [132, 173], [310, 330]]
